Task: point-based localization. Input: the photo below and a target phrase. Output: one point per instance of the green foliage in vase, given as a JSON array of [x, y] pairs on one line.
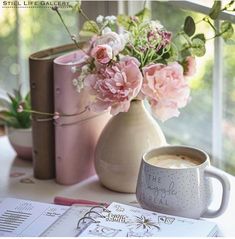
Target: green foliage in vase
[[10, 113]]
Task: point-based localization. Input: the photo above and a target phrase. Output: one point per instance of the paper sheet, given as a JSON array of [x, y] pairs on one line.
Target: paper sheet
[[128, 221], [66, 226], [27, 218]]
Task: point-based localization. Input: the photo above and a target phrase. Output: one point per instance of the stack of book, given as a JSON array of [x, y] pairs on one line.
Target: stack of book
[[62, 148]]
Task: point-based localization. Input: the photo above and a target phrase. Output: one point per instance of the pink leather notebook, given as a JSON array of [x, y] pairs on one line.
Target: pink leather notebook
[[75, 136]]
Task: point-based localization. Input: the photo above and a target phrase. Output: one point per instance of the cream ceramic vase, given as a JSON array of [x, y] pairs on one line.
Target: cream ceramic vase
[[124, 140]]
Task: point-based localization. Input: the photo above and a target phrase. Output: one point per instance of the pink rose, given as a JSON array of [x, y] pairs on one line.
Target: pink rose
[[114, 86], [190, 66], [102, 53], [166, 89]]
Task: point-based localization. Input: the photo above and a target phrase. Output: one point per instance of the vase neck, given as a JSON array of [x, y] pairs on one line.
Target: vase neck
[[136, 105]]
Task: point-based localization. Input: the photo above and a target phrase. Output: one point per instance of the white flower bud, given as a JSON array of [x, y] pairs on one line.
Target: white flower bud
[[73, 69], [100, 19], [85, 69], [75, 82], [111, 19], [80, 85]]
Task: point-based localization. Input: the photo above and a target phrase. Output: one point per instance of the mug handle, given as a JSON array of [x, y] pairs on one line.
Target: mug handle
[[214, 173]]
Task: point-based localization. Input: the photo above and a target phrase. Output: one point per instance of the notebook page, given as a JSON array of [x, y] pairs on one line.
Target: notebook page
[[66, 225], [124, 220], [20, 217]]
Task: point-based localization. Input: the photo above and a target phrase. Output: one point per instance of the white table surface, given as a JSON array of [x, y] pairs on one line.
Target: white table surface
[[25, 186]]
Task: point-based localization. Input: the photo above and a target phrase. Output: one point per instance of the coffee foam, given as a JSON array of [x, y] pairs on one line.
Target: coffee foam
[[173, 161]]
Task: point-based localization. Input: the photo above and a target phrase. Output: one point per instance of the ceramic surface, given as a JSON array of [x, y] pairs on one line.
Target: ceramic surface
[[21, 141], [124, 140], [183, 192]]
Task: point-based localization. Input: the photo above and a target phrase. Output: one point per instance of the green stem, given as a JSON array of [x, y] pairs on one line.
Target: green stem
[[67, 29], [227, 6], [151, 56], [216, 35], [146, 57], [206, 19]]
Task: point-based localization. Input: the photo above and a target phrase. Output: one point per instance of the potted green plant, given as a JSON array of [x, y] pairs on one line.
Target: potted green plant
[[17, 122]]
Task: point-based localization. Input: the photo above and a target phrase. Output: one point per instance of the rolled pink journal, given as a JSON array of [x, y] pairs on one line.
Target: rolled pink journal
[[75, 135]]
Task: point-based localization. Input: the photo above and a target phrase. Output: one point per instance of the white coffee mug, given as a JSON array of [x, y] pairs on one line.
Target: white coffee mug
[[185, 192]]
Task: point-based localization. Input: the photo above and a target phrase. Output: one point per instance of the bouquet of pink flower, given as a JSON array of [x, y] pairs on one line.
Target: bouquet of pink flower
[[143, 61]]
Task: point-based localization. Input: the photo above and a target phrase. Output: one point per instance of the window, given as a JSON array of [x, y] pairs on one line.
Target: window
[[208, 121], [228, 120], [194, 126], [24, 31], [27, 30]]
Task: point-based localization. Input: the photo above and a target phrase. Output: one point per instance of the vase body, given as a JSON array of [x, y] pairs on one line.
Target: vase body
[[124, 140], [21, 141]]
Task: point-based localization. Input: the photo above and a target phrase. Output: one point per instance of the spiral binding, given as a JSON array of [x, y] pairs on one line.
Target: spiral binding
[[92, 220]]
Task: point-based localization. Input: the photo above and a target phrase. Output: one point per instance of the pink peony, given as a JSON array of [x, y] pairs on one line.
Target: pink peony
[[190, 66], [166, 89], [102, 53], [114, 86]]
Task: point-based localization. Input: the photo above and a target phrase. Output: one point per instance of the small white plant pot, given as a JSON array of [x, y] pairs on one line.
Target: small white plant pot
[[21, 141]]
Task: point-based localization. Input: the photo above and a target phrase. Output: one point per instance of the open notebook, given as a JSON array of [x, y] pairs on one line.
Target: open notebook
[[126, 221], [27, 218], [119, 220]]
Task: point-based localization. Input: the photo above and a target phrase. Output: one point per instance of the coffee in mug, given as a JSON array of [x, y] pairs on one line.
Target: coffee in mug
[[176, 180], [173, 161]]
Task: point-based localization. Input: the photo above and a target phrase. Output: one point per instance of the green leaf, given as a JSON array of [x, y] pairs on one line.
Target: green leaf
[[185, 53], [229, 42], [12, 117], [77, 6], [17, 95], [14, 104], [123, 21], [189, 26], [200, 36], [215, 10], [144, 14], [173, 53], [89, 28], [9, 119], [198, 47], [27, 98], [226, 30]]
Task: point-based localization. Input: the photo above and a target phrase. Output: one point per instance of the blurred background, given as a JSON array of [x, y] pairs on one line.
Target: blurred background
[[208, 121]]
